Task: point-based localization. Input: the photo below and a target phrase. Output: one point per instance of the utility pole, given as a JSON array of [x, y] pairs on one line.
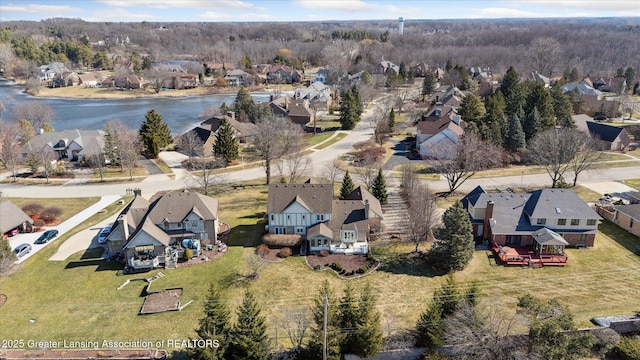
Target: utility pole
[[324, 343]]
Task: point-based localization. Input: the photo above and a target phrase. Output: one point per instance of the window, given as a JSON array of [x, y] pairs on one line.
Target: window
[[591, 222], [194, 223], [542, 221], [562, 222], [320, 217], [273, 217], [299, 230], [582, 237], [303, 217], [288, 217], [631, 223], [575, 222]]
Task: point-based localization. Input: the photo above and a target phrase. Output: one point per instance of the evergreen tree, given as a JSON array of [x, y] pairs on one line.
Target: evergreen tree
[[472, 111], [532, 124], [348, 111], [334, 336], [402, 71], [446, 300], [392, 119], [515, 140], [493, 118], [428, 84], [155, 133], [357, 100], [347, 186], [453, 247], [539, 97], [348, 315], [244, 106], [111, 143], [226, 145], [368, 337], [213, 326], [512, 91], [562, 106], [379, 188], [249, 336], [630, 77], [224, 108]]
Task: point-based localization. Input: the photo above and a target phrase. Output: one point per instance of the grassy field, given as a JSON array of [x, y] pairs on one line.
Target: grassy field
[[315, 139], [70, 206], [634, 183], [338, 137], [110, 173], [78, 300]]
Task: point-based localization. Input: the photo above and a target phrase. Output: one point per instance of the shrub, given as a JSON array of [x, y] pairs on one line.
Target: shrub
[[32, 208], [370, 257], [362, 269], [38, 223], [285, 253], [323, 253], [51, 213], [263, 250], [628, 348], [317, 267], [337, 267], [188, 254]]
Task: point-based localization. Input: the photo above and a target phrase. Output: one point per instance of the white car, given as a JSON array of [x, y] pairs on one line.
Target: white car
[[102, 236]]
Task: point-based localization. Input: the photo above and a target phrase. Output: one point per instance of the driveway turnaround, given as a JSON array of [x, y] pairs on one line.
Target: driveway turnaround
[[62, 228], [81, 241]]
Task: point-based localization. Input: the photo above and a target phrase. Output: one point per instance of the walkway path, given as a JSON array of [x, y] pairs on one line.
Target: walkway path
[[396, 215]]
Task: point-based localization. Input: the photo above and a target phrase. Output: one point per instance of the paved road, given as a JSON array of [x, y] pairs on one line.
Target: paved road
[[62, 228]]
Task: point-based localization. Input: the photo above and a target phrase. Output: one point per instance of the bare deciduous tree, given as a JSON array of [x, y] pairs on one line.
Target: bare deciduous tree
[[423, 214], [129, 148], [157, 80], [331, 172], [368, 169], [256, 264], [10, 147], [276, 138], [37, 113], [98, 162], [544, 53], [554, 149], [296, 324], [204, 175], [587, 156], [191, 144], [382, 132], [459, 162]]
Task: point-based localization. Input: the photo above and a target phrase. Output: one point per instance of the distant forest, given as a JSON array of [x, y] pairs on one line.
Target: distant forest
[[594, 46]]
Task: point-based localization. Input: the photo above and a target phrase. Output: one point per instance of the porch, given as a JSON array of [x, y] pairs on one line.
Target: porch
[[527, 256]]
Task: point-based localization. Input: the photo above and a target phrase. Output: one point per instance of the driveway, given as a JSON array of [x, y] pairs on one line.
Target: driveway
[[83, 240], [62, 228], [614, 188]]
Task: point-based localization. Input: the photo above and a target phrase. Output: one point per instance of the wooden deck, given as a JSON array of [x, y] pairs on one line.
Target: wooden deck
[[526, 256]]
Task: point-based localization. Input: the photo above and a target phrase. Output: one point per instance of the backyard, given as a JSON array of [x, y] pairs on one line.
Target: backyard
[[77, 299]]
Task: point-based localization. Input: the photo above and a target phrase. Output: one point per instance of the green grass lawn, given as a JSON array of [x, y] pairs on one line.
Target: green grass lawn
[[70, 206], [110, 173], [78, 300], [163, 166], [337, 138], [315, 139], [634, 183]]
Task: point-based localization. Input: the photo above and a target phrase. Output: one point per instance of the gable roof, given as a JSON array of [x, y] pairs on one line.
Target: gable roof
[[632, 210], [604, 132], [545, 236], [176, 206], [348, 215], [472, 197], [363, 194], [558, 204], [582, 87], [11, 216], [211, 126], [89, 140], [317, 196]]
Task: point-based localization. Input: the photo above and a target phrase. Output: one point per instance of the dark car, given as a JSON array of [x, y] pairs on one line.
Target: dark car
[[46, 236]]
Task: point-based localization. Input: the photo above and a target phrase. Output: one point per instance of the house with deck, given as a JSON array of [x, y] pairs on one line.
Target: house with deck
[[533, 227], [149, 233], [320, 221]]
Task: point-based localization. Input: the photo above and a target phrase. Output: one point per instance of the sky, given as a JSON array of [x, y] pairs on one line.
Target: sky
[[308, 10]]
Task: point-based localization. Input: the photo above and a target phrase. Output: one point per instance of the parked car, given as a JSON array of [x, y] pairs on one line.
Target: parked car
[[13, 232], [46, 236], [102, 236], [22, 250]]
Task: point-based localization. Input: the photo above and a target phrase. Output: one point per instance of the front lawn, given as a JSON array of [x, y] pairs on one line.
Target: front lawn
[[78, 300]]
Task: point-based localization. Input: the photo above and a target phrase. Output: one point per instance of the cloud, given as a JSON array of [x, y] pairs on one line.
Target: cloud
[[405, 10], [609, 5], [38, 9], [116, 15], [495, 12], [194, 4], [337, 5]]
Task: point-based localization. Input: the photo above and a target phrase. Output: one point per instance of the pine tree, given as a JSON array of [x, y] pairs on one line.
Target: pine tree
[[348, 314], [226, 145], [244, 106], [348, 112], [249, 336], [453, 247], [357, 100], [111, 143], [213, 326], [630, 76], [155, 133], [494, 117], [515, 140], [428, 84], [334, 336], [563, 107], [347, 186], [539, 97], [368, 337], [392, 119], [532, 124], [379, 188], [472, 110]]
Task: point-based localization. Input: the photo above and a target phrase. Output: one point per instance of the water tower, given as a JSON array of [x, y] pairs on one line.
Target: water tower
[[400, 25]]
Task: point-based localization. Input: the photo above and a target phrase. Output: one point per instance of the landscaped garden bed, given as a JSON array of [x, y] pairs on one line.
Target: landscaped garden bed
[[346, 266]]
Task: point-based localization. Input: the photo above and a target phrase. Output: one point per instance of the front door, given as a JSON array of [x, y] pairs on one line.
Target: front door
[[514, 239]]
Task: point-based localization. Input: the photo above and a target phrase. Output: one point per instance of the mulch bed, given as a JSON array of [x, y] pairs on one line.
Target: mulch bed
[[349, 263], [161, 301], [272, 256], [206, 256]]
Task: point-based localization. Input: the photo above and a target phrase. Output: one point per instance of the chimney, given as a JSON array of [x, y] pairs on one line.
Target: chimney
[[137, 192], [488, 215], [231, 115], [122, 221], [366, 208]]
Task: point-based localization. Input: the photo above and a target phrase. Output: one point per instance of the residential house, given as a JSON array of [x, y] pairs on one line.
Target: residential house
[[614, 138], [67, 78], [282, 74], [90, 80], [583, 88], [444, 91], [130, 81], [592, 101], [611, 84], [322, 223], [321, 76], [537, 77], [207, 130], [180, 81], [12, 217], [149, 233], [297, 110], [634, 197], [438, 136], [478, 72], [317, 94], [625, 216], [384, 67], [237, 77], [515, 219], [421, 69], [72, 145], [47, 72], [439, 73]]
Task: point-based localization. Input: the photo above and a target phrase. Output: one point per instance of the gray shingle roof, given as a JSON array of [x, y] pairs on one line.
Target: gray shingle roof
[[545, 236], [558, 204], [11, 216], [632, 210], [317, 196], [362, 194], [349, 215]]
